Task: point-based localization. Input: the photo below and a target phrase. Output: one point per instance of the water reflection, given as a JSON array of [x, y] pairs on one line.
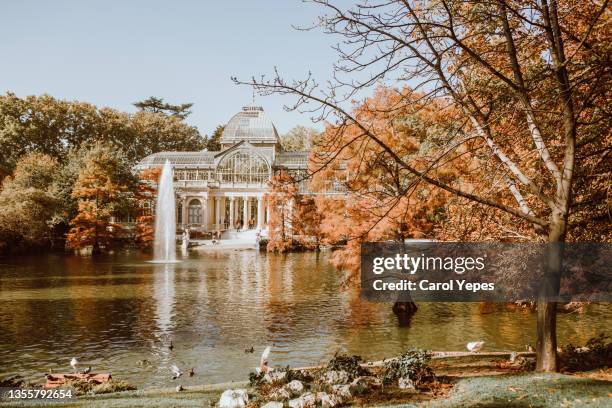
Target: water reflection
[[163, 293], [112, 312]]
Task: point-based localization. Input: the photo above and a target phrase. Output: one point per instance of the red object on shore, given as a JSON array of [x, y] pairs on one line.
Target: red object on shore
[[57, 380]]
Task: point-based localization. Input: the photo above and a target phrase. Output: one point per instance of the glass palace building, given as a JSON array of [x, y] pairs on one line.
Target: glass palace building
[[225, 189]]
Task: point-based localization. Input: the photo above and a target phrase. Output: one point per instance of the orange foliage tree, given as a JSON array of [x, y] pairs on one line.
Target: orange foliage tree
[[294, 218], [145, 199], [528, 85], [281, 198], [367, 196], [103, 190]]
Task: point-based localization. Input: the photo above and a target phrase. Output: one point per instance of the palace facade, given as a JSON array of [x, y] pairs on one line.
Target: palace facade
[[225, 189]]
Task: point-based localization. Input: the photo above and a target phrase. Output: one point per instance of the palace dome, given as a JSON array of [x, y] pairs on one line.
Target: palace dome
[[251, 125]]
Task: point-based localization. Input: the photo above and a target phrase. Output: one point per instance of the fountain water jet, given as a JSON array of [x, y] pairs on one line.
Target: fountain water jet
[[164, 249]]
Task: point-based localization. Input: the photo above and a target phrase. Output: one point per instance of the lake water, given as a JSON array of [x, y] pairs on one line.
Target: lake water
[[112, 312]]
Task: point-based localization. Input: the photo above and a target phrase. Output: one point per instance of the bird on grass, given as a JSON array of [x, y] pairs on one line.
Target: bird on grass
[[191, 372], [170, 346], [263, 363], [529, 348], [250, 350], [175, 371], [73, 363], [87, 370], [179, 388], [475, 346]]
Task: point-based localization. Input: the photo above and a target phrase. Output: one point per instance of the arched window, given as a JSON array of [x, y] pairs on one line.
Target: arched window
[[194, 212], [243, 168]]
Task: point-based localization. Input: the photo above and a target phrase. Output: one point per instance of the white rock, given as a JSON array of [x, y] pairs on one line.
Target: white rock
[[343, 391], [281, 394], [406, 383], [274, 377], [295, 388], [273, 404], [328, 401], [335, 377], [234, 399], [305, 401]]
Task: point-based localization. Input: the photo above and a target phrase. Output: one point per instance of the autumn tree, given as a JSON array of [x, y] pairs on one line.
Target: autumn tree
[[103, 190], [529, 81], [281, 199], [306, 222], [146, 194], [368, 197], [28, 202]]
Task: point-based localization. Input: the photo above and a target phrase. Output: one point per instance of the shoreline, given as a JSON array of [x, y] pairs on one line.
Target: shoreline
[[478, 378]]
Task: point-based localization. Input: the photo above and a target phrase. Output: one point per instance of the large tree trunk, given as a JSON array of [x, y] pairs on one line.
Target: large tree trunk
[[547, 337], [546, 346]]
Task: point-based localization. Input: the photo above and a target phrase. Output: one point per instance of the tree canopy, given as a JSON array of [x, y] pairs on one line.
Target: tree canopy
[[47, 125], [299, 139], [526, 82], [28, 202]]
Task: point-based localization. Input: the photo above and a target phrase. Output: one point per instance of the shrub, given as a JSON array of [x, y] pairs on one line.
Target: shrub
[[413, 364], [350, 364], [596, 353]]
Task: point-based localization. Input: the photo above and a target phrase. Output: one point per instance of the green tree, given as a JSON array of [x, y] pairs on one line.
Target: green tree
[[213, 142], [157, 105], [28, 202], [104, 189], [299, 139], [51, 126]]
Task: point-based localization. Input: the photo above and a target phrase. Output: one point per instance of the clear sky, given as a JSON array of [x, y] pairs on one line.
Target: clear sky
[[113, 53]]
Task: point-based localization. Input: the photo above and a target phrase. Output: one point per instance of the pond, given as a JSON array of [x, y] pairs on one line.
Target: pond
[[115, 311]]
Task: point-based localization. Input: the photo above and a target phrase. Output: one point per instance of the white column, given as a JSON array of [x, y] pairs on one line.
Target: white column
[[231, 212], [222, 210], [205, 202], [217, 212], [260, 212], [267, 212], [184, 219], [245, 212]]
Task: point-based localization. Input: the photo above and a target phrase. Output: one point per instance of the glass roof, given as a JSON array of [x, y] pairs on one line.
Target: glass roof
[[179, 158], [292, 159], [252, 125]]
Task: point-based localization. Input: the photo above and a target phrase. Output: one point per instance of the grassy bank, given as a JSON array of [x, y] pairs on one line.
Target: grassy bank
[[528, 390], [198, 396], [511, 390]]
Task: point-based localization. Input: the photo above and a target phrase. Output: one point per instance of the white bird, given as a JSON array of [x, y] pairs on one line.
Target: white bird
[[263, 363], [475, 346], [73, 363], [513, 356], [175, 370]]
